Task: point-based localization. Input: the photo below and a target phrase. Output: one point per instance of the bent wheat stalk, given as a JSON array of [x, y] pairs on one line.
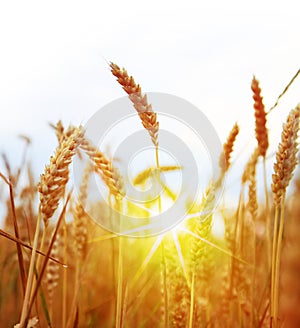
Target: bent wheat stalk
[[262, 138], [114, 181], [150, 123], [286, 161], [53, 181]]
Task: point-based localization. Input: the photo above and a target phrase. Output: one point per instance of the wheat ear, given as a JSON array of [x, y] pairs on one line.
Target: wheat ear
[[80, 224], [109, 173], [260, 118], [53, 182], [225, 158], [139, 100], [261, 133], [286, 158], [249, 175]]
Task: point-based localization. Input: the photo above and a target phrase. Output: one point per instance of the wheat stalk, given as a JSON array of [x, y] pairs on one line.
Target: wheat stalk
[[52, 271], [290, 283], [200, 261], [286, 161], [139, 100], [178, 285], [261, 133], [114, 181], [250, 166], [32, 323]]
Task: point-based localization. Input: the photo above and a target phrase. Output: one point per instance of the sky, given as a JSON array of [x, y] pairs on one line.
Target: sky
[[53, 62]]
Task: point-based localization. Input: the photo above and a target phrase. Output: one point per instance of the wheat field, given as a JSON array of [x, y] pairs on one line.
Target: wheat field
[[61, 269]]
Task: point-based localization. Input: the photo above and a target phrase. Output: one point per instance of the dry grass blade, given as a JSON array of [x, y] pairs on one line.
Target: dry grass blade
[[16, 229], [143, 176], [260, 119], [139, 100], [22, 243], [146, 174], [284, 91]]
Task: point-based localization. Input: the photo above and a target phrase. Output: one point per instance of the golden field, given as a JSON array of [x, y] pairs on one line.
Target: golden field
[[60, 269]]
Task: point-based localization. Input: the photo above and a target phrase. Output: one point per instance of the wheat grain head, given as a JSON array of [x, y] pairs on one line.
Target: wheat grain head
[[139, 100]]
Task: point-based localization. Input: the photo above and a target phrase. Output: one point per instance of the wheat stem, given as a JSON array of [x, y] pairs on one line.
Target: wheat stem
[[165, 287], [47, 258], [268, 218], [277, 263], [163, 249], [192, 301], [274, 246], [119, 308], [30, 279], [65, 276]]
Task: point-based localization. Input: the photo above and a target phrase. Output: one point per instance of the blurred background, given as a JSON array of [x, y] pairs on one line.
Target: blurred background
[[53, 63]]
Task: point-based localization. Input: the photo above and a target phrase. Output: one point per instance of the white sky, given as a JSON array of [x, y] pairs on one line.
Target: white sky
[[52, 66]]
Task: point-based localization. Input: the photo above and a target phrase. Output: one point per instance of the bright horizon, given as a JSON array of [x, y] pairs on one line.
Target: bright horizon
[[53, 64]]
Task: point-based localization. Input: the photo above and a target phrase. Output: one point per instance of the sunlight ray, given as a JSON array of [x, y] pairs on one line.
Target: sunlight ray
[[215, 246], [181, 259], [102, 238], [147, 259]]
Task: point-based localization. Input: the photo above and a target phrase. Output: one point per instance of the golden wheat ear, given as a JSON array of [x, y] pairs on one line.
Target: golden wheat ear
[[80, 217], [249, 175], [261, 131], [53, 182], [139, 100], [286, 156], [109, 173], [225, 158]]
